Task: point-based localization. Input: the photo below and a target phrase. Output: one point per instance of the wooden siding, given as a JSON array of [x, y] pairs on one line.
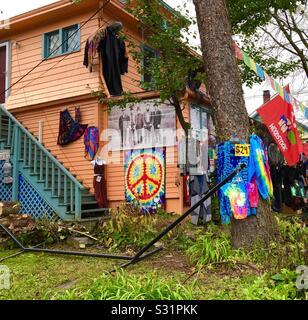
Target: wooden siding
[[65, 77], [62, 76], [71, 155]]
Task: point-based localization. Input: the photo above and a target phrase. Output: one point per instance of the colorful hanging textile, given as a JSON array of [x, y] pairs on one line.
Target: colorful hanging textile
[[91, 142], [236, 194], [227, 162], [69, 129], [259, 167], [145, 177]]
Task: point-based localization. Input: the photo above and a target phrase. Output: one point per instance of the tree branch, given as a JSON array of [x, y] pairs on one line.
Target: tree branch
[[300, 52], [298, 31], [279, 43]]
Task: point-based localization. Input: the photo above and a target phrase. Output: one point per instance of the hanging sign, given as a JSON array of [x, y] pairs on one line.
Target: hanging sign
[[242, 150]]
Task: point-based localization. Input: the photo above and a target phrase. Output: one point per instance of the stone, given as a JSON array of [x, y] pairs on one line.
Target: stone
[[79, 242]]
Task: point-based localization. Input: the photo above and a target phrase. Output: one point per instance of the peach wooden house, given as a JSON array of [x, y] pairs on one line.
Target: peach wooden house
[[48, 178]]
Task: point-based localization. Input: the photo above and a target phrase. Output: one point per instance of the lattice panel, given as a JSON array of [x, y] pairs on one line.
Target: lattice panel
[[5, 189], [31, 202]]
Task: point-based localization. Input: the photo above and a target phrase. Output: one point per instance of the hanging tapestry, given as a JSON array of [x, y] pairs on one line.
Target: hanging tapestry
[[145, 177], [70, 129], [91, 142]]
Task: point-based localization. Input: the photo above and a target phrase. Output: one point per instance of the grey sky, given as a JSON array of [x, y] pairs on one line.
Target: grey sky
[[253, 97]]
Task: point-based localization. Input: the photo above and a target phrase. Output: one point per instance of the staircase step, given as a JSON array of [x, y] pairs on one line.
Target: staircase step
[[88, 205], [100, 212]]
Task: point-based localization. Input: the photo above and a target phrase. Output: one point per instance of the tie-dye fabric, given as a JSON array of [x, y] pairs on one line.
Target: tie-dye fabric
[[91, 142], [227, 162], [145, 177], [259, 167], [237, 199]]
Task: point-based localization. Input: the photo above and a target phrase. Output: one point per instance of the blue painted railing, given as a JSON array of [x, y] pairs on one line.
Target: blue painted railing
[[59, 188]]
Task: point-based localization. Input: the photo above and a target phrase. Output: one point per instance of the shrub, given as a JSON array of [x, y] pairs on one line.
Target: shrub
[[124, 286]]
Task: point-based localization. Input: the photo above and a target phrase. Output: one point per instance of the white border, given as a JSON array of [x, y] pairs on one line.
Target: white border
[[8, 67]]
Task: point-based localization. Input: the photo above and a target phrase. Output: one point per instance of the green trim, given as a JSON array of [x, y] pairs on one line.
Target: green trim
[[167, 7], [201, 109], [62, 50], [15, 158]]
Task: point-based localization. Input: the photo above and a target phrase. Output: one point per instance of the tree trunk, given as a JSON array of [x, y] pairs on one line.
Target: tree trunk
[[224, 85]]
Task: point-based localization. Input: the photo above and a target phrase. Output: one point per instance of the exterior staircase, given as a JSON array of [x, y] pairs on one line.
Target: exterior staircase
[[55, 185]]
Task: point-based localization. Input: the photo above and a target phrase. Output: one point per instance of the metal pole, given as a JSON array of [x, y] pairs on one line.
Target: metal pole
[[18, 253], [188, 212], [73, 253]]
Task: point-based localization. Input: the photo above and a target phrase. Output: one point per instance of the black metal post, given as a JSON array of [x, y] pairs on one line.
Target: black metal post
[[182, 217], [73, 253]]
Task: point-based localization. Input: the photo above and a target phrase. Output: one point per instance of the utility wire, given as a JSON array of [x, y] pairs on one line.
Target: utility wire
[[55, 50], [53, 66]]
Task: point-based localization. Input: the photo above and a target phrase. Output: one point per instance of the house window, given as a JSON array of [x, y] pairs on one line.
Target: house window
[[61, 41], [148, 55], [199, 120]]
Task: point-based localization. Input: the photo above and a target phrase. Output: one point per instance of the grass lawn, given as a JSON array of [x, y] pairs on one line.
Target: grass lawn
[[205, 267]]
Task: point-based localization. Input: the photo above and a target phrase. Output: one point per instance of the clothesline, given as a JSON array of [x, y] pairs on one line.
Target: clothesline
[[241, 55]]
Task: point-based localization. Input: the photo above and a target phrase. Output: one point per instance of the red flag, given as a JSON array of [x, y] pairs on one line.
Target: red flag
[[237, 51], [278, 116]]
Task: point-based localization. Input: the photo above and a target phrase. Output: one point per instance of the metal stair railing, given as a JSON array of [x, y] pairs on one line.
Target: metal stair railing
[[28, 153]]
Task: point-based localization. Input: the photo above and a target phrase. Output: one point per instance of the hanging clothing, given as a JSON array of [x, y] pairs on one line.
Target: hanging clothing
[[99, 183], [227, 163], [91, 49], [276, 176], [114, 57], [91, 142], [198, 187], [259, 167], [236, 196], [69, 129]]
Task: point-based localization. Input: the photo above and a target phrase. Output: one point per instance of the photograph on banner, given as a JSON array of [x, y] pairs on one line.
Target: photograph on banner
[[197, 154], [197, 150], [145, 124]]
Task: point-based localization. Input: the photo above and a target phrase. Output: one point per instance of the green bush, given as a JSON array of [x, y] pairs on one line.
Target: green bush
[[211, 247], [124, 286], [128, 229]]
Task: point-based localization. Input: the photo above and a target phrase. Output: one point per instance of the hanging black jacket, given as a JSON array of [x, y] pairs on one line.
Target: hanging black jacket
[[114, 60]]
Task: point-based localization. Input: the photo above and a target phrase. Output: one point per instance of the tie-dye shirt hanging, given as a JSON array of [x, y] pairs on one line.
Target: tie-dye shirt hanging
[[145, 177], [227, 163], [259, 168], [237, 199]]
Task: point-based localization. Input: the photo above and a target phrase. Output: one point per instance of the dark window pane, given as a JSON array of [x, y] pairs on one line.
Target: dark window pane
[[70, 39], [149, 55], [53, 43]]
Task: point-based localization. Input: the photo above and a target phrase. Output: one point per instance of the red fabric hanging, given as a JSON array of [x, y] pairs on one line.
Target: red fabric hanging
[[278, 116]]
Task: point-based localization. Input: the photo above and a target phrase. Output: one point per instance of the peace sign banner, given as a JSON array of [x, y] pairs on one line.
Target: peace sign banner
[[145, 177]]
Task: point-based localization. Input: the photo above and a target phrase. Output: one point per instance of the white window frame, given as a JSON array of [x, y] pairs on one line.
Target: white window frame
[[8, 67]]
